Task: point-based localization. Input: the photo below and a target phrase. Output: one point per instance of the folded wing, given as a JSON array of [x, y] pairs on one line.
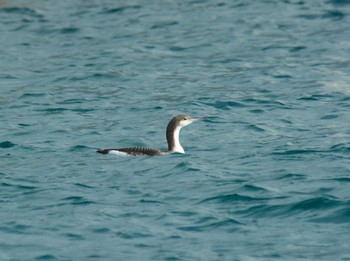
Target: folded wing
[[133, 151]]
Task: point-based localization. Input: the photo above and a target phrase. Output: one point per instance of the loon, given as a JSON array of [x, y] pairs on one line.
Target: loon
[[172, 136]]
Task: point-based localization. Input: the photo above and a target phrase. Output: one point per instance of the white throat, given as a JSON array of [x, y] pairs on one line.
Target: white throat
[[177, 146]]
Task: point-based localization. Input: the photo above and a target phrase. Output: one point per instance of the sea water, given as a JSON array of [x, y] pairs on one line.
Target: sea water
[[266, 173]]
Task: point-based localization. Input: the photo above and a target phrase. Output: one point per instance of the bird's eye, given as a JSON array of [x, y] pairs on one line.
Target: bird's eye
[[185, 119]]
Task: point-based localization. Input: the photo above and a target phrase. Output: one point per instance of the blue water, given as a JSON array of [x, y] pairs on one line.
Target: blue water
[[265, 176]]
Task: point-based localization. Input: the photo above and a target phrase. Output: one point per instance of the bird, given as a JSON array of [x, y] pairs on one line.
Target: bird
[[172, 136]]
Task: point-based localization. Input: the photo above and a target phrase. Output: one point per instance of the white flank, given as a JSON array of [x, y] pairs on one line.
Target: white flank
[[119, 153]]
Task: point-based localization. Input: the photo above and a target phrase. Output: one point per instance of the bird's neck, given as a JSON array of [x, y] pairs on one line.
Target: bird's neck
[[173, 138]]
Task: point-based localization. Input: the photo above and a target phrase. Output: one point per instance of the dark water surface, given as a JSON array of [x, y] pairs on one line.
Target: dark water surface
[[266, 175]]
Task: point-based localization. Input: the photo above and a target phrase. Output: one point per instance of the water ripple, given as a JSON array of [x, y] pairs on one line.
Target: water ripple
[[21, 11], [121, 9], [231, 198], [308, 208], [229, 225], [77, 200], [7, 144]]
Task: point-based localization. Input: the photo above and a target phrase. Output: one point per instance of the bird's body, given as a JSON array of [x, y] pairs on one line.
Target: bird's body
[[136, 151], [172, 135]]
